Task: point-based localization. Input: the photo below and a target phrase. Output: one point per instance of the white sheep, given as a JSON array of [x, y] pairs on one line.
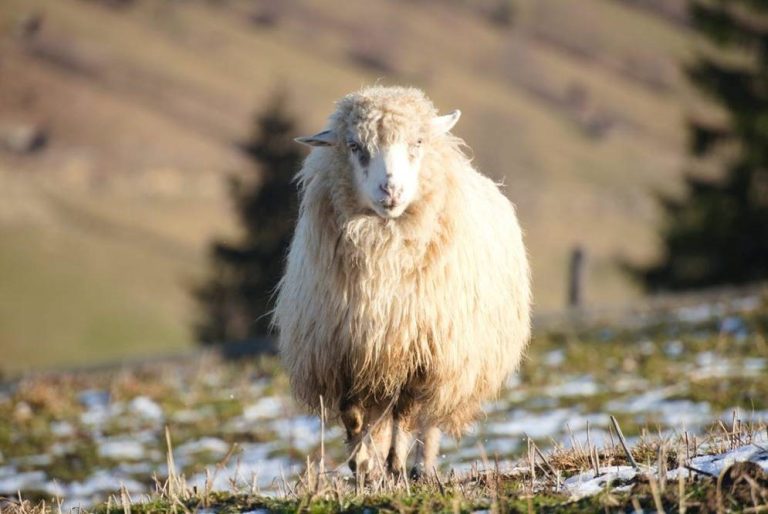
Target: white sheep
[[405, 302]]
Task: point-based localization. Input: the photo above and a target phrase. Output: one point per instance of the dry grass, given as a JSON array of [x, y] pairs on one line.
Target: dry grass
[[536, 482], [58, 425]]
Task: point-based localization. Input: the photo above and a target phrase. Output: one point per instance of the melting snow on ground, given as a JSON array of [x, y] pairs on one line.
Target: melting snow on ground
[[265, 408], [588, 483], [121, 448], [253, 466]]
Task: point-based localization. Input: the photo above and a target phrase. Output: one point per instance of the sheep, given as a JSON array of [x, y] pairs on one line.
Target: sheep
[[405, 302]]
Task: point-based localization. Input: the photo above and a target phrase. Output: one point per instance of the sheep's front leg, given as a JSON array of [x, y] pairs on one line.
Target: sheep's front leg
[[426, 452], [401, 437], [398, 450]]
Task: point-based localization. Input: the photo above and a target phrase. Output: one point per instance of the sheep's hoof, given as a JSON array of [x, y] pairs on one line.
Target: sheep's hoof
[[353, 420], [366, 472], [417, 473], [361, 464], [360, 482]]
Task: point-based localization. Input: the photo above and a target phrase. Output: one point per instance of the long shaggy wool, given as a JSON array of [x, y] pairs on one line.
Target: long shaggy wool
[[441, 293]]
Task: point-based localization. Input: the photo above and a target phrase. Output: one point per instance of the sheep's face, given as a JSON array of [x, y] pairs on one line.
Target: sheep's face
[[386, 169], [386, 176]]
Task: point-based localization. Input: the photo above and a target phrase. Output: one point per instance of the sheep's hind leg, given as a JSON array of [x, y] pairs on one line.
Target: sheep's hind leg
[[426, 452]]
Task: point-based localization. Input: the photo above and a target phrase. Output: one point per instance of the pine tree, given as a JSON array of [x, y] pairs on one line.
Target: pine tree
[[718, 233], [238, 297]]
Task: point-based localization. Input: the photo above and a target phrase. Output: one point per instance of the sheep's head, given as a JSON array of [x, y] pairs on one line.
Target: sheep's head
[[384, 133]]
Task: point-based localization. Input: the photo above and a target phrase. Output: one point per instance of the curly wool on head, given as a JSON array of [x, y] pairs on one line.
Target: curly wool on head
[[437, 299], [383, 115]]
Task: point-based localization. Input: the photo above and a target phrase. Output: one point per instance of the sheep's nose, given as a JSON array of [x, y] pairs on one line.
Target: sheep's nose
[[390, 190]]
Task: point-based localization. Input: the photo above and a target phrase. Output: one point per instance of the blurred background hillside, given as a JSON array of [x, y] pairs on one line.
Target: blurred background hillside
[[122, 121]]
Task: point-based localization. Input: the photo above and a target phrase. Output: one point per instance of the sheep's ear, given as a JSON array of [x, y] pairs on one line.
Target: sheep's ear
[[443, 124], [324, 138]]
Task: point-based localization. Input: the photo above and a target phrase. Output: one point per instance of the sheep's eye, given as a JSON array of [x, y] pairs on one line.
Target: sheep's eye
[[353, 146], [415, 147]]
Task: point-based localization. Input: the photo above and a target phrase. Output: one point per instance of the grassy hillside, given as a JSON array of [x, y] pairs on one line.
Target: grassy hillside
[[577, 108]]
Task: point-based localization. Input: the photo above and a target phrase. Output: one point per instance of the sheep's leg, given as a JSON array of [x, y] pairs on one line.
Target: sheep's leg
[[369, 455], [431, 447], [401, 437], [398, 450], [426, 452]]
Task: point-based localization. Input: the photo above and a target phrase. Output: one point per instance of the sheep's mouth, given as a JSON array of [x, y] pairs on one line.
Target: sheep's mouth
[[389, 211], [389, 204]]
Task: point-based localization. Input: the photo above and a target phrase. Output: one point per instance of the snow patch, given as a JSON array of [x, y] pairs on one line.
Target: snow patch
[[62, 429], [536, 425], [94, 398], [251, 467], [267, 407], [214, 445], [597, 437], [698, 313], [674, 348], [302, 431], [121, 448], [26, 481], [146, 408], [715, 464], [656, 404], [583, 385], [554, 358], [587, 484], [99, 483]]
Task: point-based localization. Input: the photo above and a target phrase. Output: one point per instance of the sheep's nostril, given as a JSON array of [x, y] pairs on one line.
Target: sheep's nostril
[[387, 189]]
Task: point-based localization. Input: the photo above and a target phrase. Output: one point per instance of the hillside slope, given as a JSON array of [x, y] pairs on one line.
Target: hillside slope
[[577, 108]]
